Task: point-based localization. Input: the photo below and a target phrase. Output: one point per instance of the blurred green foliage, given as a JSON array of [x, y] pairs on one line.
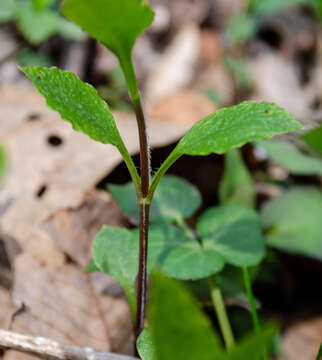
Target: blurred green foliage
[[38, 20]]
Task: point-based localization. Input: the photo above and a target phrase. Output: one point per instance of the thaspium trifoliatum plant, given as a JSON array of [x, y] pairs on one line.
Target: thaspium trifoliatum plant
[[229, 234]]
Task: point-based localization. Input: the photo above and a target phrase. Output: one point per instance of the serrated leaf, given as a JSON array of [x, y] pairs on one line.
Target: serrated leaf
[[235, 126], [230, 128], [174, 199], [314, 139], [37, 26], [116, 24], [234, 232], [77, 102], [179, 328], [145, 345], [115, 251], [7, 10], [293, 222], [291, 158], [236, 186]]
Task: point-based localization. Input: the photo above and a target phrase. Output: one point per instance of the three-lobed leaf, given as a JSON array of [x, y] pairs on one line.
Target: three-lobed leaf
[[234, 232], [291, 158], [77, 102], [293, 222], [174, 199]]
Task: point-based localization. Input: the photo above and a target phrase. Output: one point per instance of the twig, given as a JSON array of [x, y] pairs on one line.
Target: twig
[[49, 349]]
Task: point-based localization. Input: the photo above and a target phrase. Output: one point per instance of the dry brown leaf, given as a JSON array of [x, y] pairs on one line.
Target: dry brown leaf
[[185, 107], [45, 176], [211, 47], [176, 67], [275, 80], [72, 230], [62, 304], [302, 341], [7, 308]]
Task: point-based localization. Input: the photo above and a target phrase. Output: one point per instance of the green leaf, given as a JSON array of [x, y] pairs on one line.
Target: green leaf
[[240, 28], [77, 102], [253, 346], [174, 199], [234, 232], [265, 8], [42, 4], [28, 57], [145, 345], [7, 10], [291, 158], [314, 139], [237, 186], [230, 128], [180, 256], [179, 328], [91, 267], [293, 222], [116, 24], [69, 30], [115, 251], [37, 26], [235, 126]]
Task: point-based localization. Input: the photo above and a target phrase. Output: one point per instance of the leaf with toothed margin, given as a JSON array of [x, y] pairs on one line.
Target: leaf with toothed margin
[[233, 127], [77, 102]]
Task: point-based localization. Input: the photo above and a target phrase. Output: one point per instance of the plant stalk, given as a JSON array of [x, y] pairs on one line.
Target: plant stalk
[[221, 313], [252, 304], [142, 274], [144, 202]]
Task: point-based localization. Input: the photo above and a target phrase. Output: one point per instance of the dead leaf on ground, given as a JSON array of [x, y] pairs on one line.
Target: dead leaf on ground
[[186, 107], [176, 67], [7, 308], [302, 341], [62, 304]]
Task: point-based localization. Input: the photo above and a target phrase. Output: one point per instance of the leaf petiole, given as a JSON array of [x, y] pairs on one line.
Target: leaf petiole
[[252, 304], [220, 309]]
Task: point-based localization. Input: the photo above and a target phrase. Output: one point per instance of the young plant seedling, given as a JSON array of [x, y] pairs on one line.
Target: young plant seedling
[[117, 24]]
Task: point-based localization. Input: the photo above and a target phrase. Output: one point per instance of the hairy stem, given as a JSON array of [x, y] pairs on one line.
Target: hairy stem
[[252, 304], [221, 313], [142, 274], [144, 202]]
